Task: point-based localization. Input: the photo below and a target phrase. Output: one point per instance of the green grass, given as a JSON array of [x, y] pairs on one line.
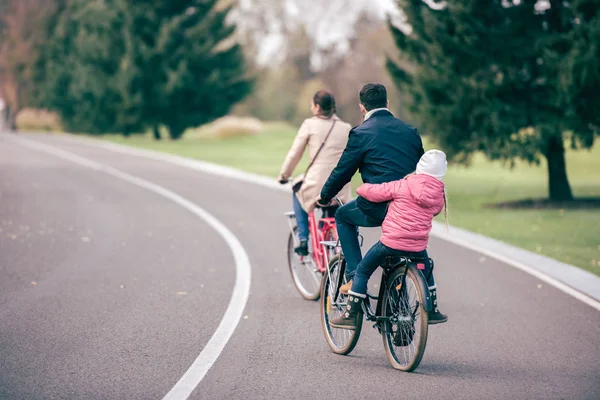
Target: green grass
[[572, 236], [262, 154]]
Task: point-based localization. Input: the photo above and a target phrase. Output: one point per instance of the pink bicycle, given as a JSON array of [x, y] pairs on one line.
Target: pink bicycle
[[307, 271]]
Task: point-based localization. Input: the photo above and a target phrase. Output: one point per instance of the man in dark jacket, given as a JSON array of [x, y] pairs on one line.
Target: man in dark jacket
[[383, 149]]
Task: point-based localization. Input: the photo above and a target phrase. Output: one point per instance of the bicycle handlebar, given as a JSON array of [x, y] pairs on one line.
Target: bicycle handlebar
[[336, 198]]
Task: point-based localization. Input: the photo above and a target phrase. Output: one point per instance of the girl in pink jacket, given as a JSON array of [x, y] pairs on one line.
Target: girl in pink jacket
[[415, 200]]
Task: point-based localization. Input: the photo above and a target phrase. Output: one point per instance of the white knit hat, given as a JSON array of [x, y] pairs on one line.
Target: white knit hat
[[433, 163]]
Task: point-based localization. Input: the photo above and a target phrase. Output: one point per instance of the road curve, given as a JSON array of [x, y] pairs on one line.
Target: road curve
[[76, 333]]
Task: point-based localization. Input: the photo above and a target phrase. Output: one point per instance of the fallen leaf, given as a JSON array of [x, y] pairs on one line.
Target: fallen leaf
[[180, 293], [85, 239], [33, 283], [539, 286], [122, 286]]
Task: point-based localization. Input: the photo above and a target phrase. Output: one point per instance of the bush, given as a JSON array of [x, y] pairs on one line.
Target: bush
[[30, 119], [228, 127]]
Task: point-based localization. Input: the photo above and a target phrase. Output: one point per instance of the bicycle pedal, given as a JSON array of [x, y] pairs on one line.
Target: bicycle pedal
[[377, 325]]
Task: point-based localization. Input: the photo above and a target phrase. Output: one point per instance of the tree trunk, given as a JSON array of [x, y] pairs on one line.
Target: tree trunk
[[156, 133], [175, 132], [558, 183], [11, 120]]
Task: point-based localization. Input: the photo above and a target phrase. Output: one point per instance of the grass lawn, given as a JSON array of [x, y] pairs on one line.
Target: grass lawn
[[572, 236]]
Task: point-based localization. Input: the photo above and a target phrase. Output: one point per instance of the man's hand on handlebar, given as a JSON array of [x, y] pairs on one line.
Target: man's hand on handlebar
[[322, 203], [282, 180]]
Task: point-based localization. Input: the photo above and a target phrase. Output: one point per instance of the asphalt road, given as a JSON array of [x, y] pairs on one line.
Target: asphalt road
[[109, 291]]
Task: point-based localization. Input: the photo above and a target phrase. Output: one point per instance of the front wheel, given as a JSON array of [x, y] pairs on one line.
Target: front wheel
[[406, 321], [333, 304], [305, 275]]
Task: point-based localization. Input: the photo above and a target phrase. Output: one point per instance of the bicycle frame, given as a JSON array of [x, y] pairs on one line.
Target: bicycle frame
[[318, 231], [404, 264]]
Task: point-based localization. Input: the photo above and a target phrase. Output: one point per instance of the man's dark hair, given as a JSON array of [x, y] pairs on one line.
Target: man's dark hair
[[372, 96]]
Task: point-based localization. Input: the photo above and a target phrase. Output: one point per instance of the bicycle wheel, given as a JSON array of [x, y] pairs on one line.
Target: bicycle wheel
[[305, 275], [333, 304], [405, 332]]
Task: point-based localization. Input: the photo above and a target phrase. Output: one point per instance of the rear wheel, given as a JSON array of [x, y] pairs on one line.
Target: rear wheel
[[333, 304], [303, 269], [405, 327]]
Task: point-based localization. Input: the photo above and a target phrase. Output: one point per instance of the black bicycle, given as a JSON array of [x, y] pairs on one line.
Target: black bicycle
[[401, 313]]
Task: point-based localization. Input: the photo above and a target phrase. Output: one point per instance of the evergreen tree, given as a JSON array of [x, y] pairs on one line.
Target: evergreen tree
[[79, 68], [503, 77], [124, 66], [199, 71]]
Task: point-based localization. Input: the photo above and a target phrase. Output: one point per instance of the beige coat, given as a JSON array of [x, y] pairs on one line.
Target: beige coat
[[312, 133]]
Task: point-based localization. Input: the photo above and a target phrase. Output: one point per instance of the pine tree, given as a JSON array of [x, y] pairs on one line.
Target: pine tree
[[491, 76], [125, 66], [199, 71], [79, 67]]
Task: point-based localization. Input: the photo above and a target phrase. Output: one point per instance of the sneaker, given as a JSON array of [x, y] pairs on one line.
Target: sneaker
[[302, 250]]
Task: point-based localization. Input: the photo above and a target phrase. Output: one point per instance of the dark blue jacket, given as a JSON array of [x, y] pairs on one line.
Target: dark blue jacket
[[383, 149]]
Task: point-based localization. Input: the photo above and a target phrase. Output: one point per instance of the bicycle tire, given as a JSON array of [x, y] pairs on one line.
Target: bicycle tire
[[403, 334], [340, 341], [304, 275]]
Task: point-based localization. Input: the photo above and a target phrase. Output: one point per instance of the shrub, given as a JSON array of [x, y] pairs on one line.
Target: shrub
[[30, 119]]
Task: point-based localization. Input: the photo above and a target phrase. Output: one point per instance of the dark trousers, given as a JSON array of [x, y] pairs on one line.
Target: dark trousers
[[375, 257], [347, 219]]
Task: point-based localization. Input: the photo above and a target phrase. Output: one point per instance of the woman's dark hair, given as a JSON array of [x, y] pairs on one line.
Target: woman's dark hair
[[326, 101]]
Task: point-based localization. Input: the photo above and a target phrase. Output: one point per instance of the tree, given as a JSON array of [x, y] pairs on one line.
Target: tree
[[492, 77], [20, 35], [81, 66], [201, 69], [365, 62], [124, 66]]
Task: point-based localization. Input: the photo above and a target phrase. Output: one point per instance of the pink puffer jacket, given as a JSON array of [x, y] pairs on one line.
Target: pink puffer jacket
[[416, 199]]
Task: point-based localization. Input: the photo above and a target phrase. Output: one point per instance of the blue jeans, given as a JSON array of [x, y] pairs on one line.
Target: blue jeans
[[347, 219], [301, 218], [375, 257]]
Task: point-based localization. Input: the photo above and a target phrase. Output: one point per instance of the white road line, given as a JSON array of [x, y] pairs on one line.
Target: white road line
[[525, 268], [192, 377]]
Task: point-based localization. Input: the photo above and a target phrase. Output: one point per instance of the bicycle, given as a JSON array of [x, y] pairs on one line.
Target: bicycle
[[400, 316], [307, 271]]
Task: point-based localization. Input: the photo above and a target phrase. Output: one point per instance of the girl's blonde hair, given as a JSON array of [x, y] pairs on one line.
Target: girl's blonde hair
[[445, 202], [445, 209]]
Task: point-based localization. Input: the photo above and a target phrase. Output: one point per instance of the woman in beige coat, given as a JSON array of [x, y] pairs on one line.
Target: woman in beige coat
[[312, 133]]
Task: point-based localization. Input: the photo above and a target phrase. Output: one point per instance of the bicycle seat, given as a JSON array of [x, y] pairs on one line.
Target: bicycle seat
[[395, 261]]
